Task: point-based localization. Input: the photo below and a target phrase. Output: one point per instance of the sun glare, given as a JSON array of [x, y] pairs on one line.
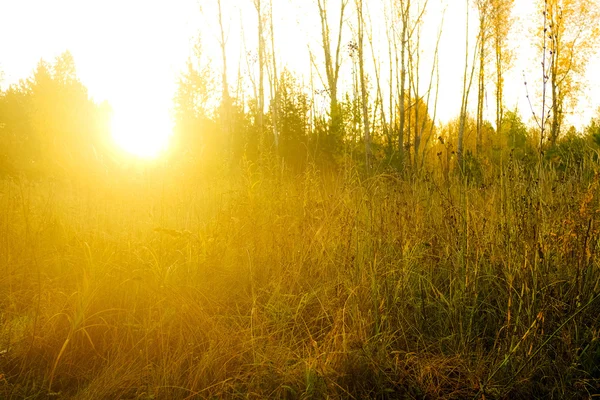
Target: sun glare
[[144, 135]]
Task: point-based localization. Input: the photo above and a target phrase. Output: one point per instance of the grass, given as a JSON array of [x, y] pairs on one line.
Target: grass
[[267, 286]]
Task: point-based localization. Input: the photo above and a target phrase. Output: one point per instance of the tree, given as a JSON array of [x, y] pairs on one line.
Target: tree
[[192, 122], [569, 37], [61, 112], [49, 125], [422, 124], [417, 102], [225, 98], [593, 129], [379, 100], [514, 130], [501, 23], [467, 81], [274, 90], [405, 35], [363, 83], [261, 68], [293, 108], [484, 10], [17, 147], [332, 63]]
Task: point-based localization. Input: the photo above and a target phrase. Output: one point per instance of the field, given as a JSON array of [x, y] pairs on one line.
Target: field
[[267, 285]]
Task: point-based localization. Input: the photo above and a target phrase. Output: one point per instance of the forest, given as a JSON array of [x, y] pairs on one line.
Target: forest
[[312, 238]]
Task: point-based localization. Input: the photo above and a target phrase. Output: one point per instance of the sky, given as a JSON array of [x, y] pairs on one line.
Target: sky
[[131, 52], [128, 53]]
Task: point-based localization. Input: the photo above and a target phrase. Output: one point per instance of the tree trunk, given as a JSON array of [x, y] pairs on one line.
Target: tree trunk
[[499, 86], [332, 62], [481, 80], [225, 102], [261, 70], [363, 83], [275, 105], [556, 98], [465, 97], [405, 10]]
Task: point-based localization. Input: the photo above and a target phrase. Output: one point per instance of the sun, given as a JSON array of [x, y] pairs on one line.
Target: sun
[[144, 134]]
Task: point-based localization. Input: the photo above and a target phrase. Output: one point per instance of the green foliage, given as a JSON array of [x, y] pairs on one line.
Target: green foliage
[[593, 129], [292, 121], [472, 169], [193, 124], [17, 149], [570, 153], [514, 130], [50, 126], [326, 144]]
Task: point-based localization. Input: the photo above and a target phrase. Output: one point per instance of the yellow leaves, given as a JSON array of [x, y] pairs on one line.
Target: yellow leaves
[[567, 37]]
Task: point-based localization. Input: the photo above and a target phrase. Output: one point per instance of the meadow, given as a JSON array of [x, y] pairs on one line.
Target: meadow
[[315, 285]]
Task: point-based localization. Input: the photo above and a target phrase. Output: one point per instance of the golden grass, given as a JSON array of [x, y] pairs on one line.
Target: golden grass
[[268, 286]]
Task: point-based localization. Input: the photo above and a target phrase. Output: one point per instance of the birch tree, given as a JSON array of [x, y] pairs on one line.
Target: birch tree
[[500, 25], [332, 61], [363, 83], [484, 10], [225, 100], [274, 81], [571, 34], [261, 69], [467, 82], [404, 37]]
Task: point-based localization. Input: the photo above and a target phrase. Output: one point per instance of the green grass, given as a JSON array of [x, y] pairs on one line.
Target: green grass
[[266, 286]]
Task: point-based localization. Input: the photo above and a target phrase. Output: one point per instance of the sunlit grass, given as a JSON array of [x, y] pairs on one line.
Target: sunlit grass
[[268, 286]]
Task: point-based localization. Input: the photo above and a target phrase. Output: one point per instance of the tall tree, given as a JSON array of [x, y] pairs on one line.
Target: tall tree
[[414, 77], [363, 82], [274, 90], [293, 111], [226, 100], [424, 131], [409, 26], [261, 67], [501, 22], [572, 33], [467, 82], [391, 21], [332, 62], [484, 10], [193, 125], [404, 37], [385, 126], [48, 123]]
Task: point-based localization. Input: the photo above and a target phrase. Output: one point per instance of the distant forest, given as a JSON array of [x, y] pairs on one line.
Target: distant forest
[[50, 126]]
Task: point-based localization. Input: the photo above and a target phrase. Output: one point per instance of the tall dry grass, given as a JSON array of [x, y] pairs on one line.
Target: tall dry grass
[[267, 286]]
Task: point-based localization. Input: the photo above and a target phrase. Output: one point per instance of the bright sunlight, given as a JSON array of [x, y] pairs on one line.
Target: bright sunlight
[[141, 133]]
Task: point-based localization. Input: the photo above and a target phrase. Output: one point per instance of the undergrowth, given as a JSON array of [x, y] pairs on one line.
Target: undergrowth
[[312, 286]]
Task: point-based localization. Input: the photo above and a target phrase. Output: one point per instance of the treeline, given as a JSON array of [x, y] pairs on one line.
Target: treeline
[[385, 116], [386, 119], [50, 127]]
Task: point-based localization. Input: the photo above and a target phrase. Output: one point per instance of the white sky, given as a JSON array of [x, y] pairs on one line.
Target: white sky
[[117, 44], [130, 52]]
